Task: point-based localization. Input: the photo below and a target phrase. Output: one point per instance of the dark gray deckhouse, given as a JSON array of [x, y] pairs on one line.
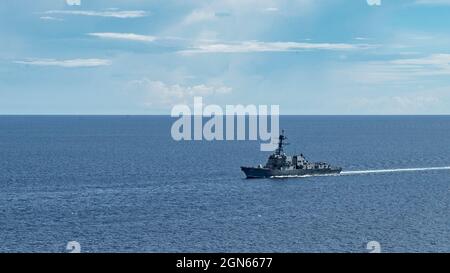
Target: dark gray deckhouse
[[281, 165]]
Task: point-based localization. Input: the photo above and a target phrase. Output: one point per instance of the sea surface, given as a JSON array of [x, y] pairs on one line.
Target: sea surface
[[121, 184]]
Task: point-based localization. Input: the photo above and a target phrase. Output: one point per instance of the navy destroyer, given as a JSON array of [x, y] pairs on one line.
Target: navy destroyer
[[281, 165]]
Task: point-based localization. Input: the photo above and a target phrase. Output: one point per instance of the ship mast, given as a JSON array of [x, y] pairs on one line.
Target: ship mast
[[279, 150]]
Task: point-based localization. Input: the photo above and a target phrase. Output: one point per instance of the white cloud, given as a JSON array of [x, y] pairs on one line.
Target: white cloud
[[158, 93], [73, 2], [398, 71], [250, 6], [374, 2], [256, 46], [210, 10], [50, 18], [432, 65], [199, 16], [409, 102], [214, 46], [421, 102], [66, 63], [439, 60], [123, 36], [110, 13]]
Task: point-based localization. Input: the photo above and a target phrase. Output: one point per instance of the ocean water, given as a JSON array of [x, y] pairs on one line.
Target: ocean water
[[121, 184]]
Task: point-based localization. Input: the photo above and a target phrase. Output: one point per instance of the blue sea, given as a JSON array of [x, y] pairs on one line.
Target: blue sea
[[121, 184]]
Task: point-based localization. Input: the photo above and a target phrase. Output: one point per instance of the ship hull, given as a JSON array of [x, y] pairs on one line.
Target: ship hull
[[253, 173]]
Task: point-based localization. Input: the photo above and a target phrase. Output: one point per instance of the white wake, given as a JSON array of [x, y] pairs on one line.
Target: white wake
[[369, 172], [395, 170]]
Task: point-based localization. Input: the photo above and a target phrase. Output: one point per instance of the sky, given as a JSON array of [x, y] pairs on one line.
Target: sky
[[310, 57]]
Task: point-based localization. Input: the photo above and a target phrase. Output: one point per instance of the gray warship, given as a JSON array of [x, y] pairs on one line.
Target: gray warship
[[281, 165]]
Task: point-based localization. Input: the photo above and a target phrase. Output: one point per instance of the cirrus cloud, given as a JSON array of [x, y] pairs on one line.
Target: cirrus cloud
[[72, 63], [122, 14], [257, 46], [123, 36]]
